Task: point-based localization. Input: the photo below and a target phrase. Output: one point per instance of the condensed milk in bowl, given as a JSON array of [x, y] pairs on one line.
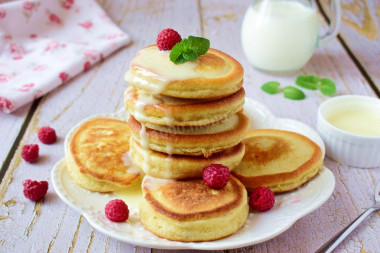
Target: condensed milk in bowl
[[281, 35], [350, 128]]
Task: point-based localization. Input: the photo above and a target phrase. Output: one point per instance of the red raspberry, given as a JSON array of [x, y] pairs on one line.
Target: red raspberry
[[47, 135], [35, 190], [86, 65], [64, 76], [117, 210], [167, 38], [261, 199], [216, 175], [30, 153]]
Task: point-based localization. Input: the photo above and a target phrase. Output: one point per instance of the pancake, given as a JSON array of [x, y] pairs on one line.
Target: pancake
[[195, 141], [95, 155], [214, 74], [161, 165], [280, 160], [190, 211], [163, 110]]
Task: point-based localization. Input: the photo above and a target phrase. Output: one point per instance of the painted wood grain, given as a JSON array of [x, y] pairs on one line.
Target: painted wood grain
[[222, 26], [10, 125], [51, 226], [360, 30]]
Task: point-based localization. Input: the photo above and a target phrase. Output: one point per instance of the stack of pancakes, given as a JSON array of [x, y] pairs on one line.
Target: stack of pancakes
[[183, 118]]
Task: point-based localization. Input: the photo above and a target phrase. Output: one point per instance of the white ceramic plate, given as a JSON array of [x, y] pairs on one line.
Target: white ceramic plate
[[289, 207]]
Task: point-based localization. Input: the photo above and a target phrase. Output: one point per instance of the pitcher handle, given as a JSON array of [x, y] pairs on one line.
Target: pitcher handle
[[334, 23]]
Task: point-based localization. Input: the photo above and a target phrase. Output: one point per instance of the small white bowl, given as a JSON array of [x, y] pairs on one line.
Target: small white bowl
[[343, 146]]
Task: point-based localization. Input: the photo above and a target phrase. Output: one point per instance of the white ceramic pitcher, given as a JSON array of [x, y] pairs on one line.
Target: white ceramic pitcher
[[281, 35]]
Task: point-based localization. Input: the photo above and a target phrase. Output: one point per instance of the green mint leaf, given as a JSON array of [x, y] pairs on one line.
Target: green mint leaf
[[308, 82], [199, 45], [293, 93], [180, 60], [327, 87], [190, 55], [270, 87], [176, 54], [189, 49]]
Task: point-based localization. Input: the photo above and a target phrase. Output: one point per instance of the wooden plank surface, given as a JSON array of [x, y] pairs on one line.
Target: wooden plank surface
[[10, 126], [360, 30], [221, 23], [51, 226]]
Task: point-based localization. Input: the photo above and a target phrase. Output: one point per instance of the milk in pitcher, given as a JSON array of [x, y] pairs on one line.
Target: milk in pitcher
[[279, 36]]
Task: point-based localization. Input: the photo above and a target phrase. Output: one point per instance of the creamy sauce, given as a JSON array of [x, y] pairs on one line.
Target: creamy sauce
[[156, 64], [131, 195], [131, 167], [143, 99], [361, 121], [154, 184]]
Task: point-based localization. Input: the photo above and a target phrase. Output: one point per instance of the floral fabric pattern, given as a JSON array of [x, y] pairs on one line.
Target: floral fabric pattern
[[44, 43]]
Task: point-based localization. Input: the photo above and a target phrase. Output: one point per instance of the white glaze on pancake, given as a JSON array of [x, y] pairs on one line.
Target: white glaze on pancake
[[152, 62]]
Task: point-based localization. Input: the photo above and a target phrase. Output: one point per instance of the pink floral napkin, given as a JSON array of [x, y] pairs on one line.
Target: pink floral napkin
[[44, 43]]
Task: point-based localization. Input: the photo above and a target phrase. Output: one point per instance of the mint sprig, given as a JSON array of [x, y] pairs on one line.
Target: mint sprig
[[325, 85], [311, 82], [290, 92], [293, 93], [271, 87], [308, 82], [189, 49]]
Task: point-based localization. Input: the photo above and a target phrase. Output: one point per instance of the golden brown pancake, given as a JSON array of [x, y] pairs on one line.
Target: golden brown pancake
[[95, 151], [162, 165], [188, 210], [163, 110], [280, 160], [195, 141], [214, 74]]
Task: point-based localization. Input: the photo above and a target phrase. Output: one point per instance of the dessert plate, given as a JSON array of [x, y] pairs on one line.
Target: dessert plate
[[289, 207]]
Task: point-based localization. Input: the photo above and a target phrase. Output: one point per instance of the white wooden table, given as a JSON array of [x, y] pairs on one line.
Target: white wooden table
[[352, 60]]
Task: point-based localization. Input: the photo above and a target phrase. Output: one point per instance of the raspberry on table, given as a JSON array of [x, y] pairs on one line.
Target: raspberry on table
[[35, 190], [167, 38], [216, 175], [116, 210], [47, 135], [261, 199], [30, 152]]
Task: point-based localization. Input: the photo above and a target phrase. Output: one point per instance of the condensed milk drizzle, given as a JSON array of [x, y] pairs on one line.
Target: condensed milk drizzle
[[143, 137], [154, 184], [131, 167], [153, 69], [143, 99], [145, 64]]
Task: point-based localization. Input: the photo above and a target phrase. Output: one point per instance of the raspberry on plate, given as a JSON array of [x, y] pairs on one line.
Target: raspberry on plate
[[261, 199], [47, 135], [216, 175], [116, 210], [167, 38], [35, 190], [30, 153]]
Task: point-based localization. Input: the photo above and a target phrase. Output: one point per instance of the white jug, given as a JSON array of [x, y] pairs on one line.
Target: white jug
[[281, 35]]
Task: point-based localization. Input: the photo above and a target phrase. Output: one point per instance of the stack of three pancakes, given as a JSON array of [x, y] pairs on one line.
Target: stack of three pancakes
[[183, 118]]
